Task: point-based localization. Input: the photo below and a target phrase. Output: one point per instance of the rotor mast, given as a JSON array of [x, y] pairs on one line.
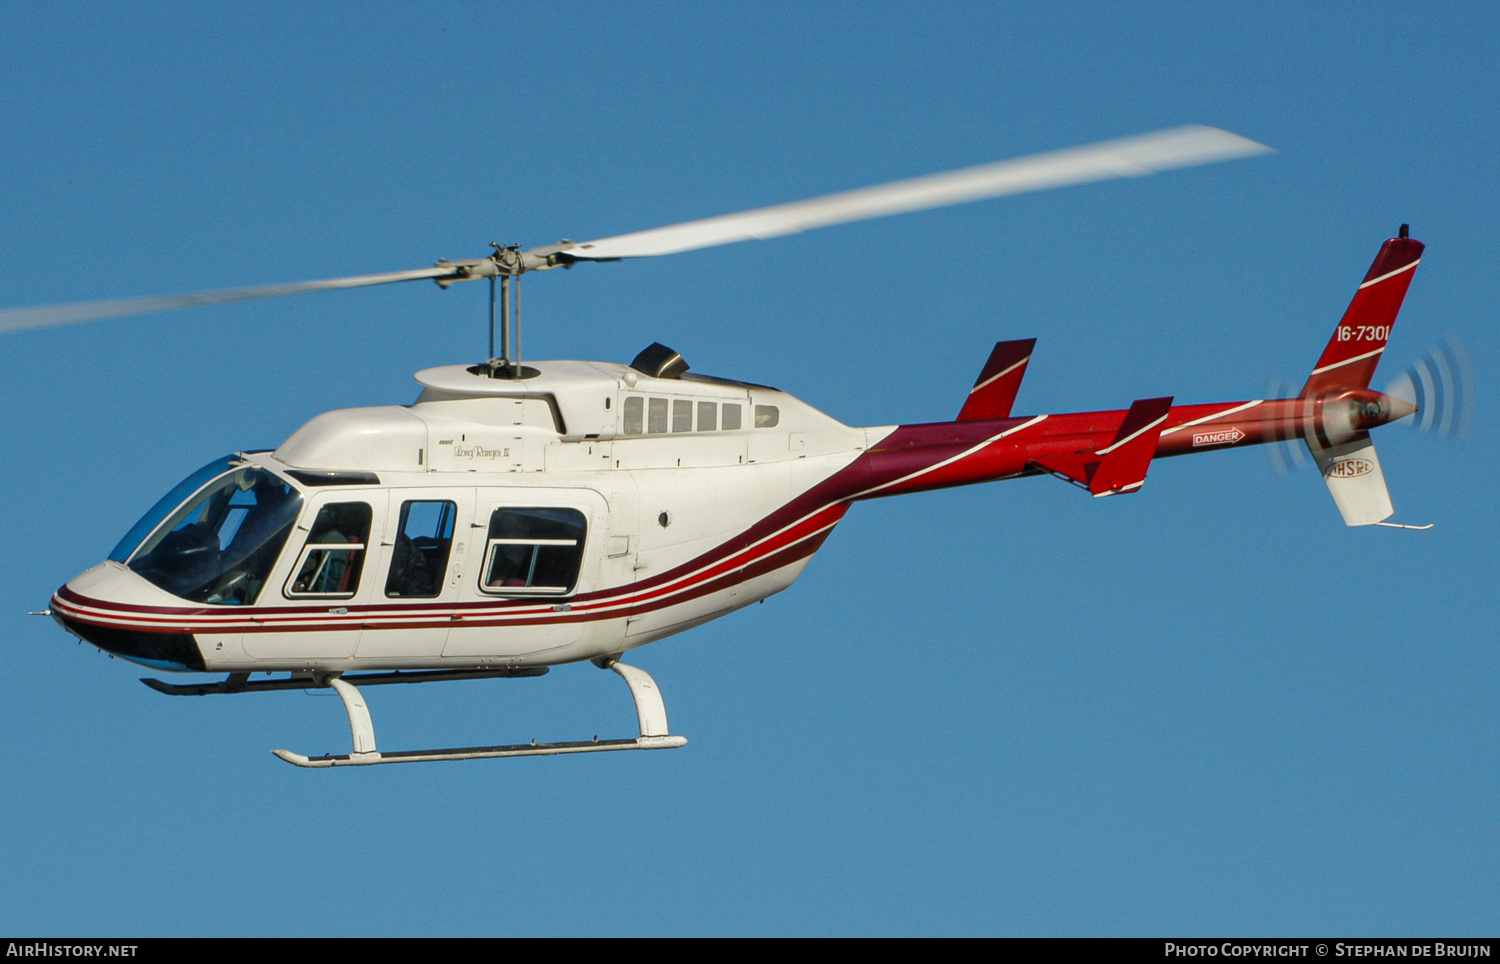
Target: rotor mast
[[507, 264]]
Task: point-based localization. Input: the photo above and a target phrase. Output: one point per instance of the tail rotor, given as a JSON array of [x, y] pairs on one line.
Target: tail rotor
[[1441, 385], [1439, 388], [1290, 455]]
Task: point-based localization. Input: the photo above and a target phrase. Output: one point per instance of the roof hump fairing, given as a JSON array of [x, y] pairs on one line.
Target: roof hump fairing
[[560, 378], [514, 421], [579, 394]]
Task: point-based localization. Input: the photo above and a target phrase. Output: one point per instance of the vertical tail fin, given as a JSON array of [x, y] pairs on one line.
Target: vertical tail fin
[[1351, 356]]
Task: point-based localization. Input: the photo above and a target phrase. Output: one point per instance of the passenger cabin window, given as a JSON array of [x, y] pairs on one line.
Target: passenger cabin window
[[420, 559], [635, 415], [708, 416], [335, 553], [656, 416], [731, 417], [682, 415], [766, 416], [533, 551]]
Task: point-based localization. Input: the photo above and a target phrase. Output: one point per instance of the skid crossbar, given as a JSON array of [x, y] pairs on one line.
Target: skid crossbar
[[651, 713]]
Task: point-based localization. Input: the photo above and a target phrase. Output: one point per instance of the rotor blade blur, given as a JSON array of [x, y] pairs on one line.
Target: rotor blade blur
[[76, 312], [1127, 157]]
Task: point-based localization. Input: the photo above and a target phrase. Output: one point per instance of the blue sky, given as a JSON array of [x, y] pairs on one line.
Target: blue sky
[[1207, 708]]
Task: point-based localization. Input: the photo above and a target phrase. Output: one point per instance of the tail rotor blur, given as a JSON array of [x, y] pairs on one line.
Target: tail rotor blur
[[1441, 385], [1288, 456]]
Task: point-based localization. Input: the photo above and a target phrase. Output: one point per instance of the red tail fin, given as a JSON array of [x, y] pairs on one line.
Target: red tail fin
[[1351, 356], [995, 390]]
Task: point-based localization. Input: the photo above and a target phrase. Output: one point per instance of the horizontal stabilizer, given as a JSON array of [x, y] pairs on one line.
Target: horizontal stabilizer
[[1127, 458], [1355, 481], [1120, 466], [995, 390]]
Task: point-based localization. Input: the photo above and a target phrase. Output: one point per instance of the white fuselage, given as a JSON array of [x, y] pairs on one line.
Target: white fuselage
[[663, 488]]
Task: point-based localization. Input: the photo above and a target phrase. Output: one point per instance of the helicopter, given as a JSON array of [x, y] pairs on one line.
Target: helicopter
[[523, 515]]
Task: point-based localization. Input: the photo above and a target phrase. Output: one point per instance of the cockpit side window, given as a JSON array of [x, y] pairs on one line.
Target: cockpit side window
[[334, 555], [533, 551], [420, 559]]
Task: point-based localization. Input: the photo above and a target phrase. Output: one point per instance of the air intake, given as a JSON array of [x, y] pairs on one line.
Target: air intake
[[659, 361]]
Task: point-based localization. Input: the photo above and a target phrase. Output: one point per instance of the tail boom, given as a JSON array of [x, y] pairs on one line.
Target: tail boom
[[915, 458], [1110, 452]]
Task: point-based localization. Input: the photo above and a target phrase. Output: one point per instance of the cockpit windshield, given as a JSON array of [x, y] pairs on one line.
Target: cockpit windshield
[[219, 545]]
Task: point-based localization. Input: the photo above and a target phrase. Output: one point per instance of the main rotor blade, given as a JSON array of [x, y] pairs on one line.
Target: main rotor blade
[[1127, 157], [72, 313]]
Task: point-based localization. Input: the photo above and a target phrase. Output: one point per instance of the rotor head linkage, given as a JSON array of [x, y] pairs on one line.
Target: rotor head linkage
[[508, 260]]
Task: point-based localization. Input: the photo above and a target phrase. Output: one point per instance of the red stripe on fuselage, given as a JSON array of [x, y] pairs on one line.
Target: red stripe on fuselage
[[910, 459], [720, 568]]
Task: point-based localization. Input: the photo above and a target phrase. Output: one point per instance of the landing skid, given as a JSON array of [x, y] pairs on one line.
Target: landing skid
[[241, 682], [483, 752], [650, 712]]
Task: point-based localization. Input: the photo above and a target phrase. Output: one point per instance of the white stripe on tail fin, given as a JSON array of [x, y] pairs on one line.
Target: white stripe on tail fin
[[994, 392], [1351, 356]]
